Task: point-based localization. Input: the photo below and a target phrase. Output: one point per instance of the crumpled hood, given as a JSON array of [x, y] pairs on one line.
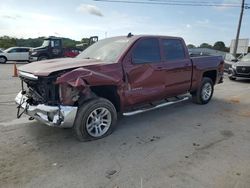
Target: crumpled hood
[[46, 67]]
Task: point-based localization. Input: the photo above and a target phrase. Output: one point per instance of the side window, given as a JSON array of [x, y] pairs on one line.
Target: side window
[[56, 43], [173, 49], [24, 50], [147, 51], [13, 50]]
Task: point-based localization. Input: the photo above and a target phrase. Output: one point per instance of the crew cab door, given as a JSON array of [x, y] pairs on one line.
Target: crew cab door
[[177, 66], [144, 74]]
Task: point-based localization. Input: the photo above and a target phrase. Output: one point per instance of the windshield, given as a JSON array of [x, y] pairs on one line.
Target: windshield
[[229, 57], [46, 43], [105, 50], [8, 49], [246, 58]]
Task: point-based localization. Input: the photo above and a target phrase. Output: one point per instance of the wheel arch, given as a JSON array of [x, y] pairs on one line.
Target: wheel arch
[[212, 74], [4, 57], [44, 55], [108, 92]]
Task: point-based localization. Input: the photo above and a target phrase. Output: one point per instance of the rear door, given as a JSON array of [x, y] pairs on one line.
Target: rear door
[[144, 72], [24, 54], [177, 66]]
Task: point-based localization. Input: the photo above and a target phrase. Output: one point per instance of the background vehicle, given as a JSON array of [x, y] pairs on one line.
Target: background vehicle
[[229, 59], [52, 47], [71, 52], [15, 54], [240, 69], [126, 75]]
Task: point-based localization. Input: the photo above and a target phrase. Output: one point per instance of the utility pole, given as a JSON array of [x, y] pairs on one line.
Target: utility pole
[[239, 26]]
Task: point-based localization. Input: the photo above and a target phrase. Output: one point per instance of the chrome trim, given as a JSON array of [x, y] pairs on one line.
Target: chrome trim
[[153, 108], [27, 75], [56, 116]]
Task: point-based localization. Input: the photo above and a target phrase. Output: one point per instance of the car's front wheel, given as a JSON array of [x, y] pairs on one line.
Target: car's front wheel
[[3, 59], [205, 92], [95, 119]]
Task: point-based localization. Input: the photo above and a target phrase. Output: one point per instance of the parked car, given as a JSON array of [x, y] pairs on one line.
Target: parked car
[[240, 69], [15, 54], [229, 59], [126, 75]]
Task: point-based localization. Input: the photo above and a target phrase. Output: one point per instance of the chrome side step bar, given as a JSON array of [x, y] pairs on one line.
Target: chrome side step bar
[[155, 107]]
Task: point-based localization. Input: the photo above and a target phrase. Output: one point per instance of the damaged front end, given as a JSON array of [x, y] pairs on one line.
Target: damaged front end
[[40, 99]]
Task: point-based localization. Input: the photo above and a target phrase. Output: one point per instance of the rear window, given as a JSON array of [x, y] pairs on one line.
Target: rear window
[[173, 49]]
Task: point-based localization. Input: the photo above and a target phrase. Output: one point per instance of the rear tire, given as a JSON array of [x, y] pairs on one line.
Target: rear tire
[[3, 59], [95, 119], [204, 93]]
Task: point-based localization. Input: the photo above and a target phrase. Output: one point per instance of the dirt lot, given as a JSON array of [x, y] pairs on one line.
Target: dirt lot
[[184, 145]]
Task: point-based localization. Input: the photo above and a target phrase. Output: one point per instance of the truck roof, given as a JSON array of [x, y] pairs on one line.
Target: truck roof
[[51, 37], [136, 37]]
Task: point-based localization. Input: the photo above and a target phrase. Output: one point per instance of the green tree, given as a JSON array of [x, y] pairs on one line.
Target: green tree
[[205, 45], [6, 42], [219, 45], [191, 46]]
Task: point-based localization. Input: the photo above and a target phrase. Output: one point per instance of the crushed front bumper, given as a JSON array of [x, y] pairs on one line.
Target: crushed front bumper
[[57, 116]]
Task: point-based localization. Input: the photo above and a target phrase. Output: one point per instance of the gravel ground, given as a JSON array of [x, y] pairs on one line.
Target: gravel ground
[[184, 145]]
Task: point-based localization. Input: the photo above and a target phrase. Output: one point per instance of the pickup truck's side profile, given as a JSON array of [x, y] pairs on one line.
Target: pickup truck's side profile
[[115, 75]]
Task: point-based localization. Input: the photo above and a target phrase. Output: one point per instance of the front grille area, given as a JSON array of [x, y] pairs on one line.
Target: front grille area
[[243, 70], [42, 91]]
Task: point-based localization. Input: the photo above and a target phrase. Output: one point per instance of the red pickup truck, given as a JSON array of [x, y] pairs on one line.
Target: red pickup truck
[[127, 75]]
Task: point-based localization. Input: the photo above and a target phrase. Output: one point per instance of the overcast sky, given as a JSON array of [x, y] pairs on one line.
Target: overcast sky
[[83, 18]]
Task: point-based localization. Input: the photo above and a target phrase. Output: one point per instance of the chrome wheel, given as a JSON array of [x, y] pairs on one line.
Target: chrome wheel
[[206, 91], [98, 122]]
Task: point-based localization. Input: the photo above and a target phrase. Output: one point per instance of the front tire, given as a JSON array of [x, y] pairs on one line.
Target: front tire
[[95, 119], [41, 58], [205, 92], [3, 59]]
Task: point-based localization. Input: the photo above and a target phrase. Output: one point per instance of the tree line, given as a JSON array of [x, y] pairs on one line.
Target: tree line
[[219, 45], [7, 42]]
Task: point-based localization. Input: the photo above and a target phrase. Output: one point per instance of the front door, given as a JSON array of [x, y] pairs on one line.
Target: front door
[[144, 74], [56, 48], [13, 54]]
